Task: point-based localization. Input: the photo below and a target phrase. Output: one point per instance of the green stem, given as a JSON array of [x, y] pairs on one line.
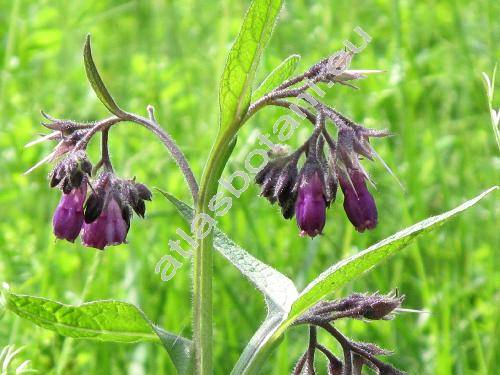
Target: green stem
[[203, 254], [203, 257]]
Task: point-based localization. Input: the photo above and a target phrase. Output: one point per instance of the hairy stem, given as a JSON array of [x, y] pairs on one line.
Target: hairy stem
[[203, 255], [349, 346], [311, 350], [106, 161], [155, 128], [172, 147]]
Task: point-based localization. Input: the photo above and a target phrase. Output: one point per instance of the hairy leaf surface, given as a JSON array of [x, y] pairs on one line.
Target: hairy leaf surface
[[239, 72], [111, 321], [280, 74], [279, 290], [332, 279]]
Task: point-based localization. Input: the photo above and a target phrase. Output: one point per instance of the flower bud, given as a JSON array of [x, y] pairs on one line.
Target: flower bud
[[94, 206], [278, 179], [69, 173], [57, 175], [86, 166], [143, 191], [285, 183], [68, 217], [66, 186], [267, 178], [268, 185], [359, 204], [310, 207], [381, 307], [331, 187], [76, 177], [110, 228], [139, 207]]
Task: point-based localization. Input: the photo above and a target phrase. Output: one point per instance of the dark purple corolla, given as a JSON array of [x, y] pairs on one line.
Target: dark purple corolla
[[310, 207], [110, 228], [68, 217], [359, 204]]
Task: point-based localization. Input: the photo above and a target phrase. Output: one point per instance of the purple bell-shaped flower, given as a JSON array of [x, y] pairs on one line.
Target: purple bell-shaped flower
[[310, 207], [68, 216], [359, 204], [110, 228]]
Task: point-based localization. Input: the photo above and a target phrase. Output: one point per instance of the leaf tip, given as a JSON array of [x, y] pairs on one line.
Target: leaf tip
[[86, 47]]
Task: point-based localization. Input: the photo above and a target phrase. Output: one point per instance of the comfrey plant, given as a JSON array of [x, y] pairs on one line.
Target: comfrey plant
[[97, 205]]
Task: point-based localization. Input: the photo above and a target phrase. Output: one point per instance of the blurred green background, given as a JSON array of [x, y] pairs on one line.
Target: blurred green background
[[170, 54]]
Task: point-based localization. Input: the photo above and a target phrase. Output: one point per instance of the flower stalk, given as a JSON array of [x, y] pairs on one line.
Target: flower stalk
[[203, 256]]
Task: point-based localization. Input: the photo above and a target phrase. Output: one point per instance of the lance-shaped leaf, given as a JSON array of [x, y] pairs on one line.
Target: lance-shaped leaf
[[267, 337], [279, 291], [281, 73], [241, 65], [111, 321], [97, 84]]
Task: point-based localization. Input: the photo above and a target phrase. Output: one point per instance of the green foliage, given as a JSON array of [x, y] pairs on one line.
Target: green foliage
[[334, 278], [266, 279], [96, 81], [110, 321], [243, 59], [280, 74], [278, 290], [170, 55]]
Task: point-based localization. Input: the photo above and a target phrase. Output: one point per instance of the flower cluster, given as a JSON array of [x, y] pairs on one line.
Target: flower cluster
[[98, 209], [356, 354], [308, 192], [329, 162]]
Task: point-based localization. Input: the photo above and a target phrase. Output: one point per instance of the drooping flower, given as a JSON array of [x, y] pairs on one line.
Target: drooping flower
[[108, 210], [68, 216], [310, 207], [278, 179], [110, 227], [359, 204]]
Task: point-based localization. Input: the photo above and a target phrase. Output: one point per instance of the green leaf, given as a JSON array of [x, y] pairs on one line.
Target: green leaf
[[179, 350], [279, 290], [333, 279], [97, 83], [111, 321], [281, 73], [241, 65]]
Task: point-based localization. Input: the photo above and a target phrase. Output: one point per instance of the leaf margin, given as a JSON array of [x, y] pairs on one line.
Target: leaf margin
[[273, 8], [175, 345], [279, 74], [252, 358], [96, 81], [273, 299]]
